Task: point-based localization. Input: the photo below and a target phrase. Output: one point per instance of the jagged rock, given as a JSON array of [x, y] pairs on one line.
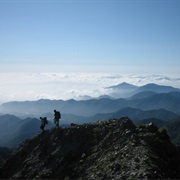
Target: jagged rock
[[114, 149]]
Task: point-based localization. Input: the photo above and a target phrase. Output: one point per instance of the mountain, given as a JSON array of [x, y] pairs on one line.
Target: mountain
[[148, 97], [173, 128], [86, 108], [136, 114], [5, 153], [82, 108], [157, 88], [155, 121], [14, 130], [175, 94], [122, 90], [114, 149], [160, 100], [91, 107], [8, 127], [85, 97], [143, 94], [104, 97], [126, 90], [123, 86]]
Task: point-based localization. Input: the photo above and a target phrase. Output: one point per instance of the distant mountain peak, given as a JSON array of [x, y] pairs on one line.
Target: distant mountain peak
[[157, 88], [152, 85], [123, 85]]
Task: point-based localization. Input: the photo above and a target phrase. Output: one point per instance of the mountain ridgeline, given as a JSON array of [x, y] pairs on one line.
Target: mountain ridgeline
[[148, 102], [14, 130], [148, 97], [113, 149]]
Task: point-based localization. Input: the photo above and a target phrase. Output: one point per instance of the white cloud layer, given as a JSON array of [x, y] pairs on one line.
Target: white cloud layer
[[34, 86]]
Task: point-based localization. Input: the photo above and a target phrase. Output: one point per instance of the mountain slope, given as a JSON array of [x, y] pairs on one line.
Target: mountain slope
[[82, 108], [4, 154], [115, 149], [14, 130], [122, 90], [136, 114], [168, 101], [123, 86], [8, 127], [173, 128], [155, 121], [157, 88], [143, 94], [161, 100]]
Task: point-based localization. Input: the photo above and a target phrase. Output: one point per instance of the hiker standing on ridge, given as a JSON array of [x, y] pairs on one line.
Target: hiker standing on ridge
[[43, 123], [57, 116]]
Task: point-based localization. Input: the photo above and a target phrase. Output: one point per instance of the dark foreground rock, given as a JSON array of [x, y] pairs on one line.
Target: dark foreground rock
[[115, 149], [5, 153]]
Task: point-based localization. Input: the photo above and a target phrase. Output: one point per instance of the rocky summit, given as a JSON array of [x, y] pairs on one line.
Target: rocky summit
[[114, 149]]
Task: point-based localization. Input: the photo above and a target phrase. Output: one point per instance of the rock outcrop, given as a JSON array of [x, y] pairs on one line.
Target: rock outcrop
[[114, 149]]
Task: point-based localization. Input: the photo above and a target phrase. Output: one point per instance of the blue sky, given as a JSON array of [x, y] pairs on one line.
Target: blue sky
[[90, 36]]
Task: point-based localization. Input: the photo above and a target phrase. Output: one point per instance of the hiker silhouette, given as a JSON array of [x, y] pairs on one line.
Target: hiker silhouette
[[43, 123], [57, 116]]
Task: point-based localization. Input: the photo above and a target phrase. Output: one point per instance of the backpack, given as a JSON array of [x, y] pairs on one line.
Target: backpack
[[45, 120], [58, 115]]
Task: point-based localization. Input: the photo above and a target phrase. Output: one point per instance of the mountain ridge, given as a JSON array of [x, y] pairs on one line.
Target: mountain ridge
[[113, 149], [137, 114], [157, 88], [123, 85], [14, 130], [168, 101], [41, 106]]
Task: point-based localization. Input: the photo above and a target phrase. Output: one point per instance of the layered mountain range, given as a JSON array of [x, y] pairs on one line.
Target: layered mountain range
[[148, 97], [142, 104]]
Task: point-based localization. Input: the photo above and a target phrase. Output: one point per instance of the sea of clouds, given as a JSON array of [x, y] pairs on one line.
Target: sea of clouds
[[34, 86]]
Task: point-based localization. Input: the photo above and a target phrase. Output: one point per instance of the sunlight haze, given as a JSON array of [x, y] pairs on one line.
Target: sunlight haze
[[57, 36]]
